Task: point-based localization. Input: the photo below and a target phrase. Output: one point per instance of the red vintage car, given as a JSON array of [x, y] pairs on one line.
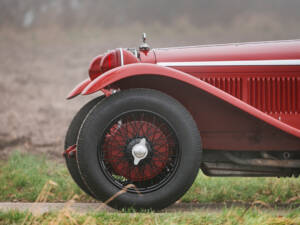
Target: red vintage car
[[230, 110]]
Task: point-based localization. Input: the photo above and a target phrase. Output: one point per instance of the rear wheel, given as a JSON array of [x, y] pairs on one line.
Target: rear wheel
[[141, 138]]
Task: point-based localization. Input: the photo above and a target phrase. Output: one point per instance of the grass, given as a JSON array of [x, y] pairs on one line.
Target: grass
[[22, 178], [244, 189], [30, 178], [227, 216]]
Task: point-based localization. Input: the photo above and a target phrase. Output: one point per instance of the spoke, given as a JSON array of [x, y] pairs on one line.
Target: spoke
[[159, 146], [118, 160], [112, 149], [147, 131], [115, 143], [161, 175], [116, 157], [134, 124], [119, 133], [145, 126], [157, 129], [128, 171], [169, 156], [141, 172], [124, 126], [139, 119], [155, 168], [164, 137], [159, 160], [118, 164], [127, 129]]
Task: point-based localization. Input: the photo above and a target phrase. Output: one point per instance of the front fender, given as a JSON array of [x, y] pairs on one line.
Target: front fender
[[78, 89], [141, 69]]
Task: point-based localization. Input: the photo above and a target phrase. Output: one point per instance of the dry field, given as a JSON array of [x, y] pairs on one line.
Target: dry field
[[38, 69]]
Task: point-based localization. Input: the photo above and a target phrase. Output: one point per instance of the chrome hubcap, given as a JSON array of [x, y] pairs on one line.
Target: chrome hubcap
[[139, 151]]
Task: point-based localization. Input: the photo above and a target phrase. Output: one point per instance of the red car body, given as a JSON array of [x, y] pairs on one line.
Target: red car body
[[237, 114], [243, 97]]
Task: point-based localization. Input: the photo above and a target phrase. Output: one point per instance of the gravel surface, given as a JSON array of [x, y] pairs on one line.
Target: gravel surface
[[40, 208]]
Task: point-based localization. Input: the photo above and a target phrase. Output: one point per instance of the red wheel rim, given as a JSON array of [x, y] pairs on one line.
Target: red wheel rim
[[117, 159]]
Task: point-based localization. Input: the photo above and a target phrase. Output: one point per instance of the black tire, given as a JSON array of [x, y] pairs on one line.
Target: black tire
[[71, 139], [103, 123]]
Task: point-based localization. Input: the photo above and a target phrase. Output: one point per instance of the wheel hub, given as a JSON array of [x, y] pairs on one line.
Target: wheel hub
[[139, 151]]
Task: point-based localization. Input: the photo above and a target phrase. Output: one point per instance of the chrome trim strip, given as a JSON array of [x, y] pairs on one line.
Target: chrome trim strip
[[236, 44], [288, 62], [122, 56], [135, 53]]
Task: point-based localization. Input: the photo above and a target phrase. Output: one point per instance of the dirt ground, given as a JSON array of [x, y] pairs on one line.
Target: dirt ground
[[38, 69]]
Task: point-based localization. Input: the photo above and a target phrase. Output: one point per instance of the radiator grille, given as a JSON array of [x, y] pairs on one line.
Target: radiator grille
[[230, 85], [274, 95]]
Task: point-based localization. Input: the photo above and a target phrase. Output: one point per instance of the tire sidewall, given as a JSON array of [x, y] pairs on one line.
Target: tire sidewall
[[71, 139]]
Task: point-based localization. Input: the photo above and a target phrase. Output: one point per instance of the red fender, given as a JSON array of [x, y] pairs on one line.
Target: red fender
[[78, 89], [140, 69]]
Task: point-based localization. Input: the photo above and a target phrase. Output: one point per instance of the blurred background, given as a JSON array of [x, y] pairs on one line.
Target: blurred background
[[46, 47]]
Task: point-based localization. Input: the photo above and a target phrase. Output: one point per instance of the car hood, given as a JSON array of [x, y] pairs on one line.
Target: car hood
[[274, 50]]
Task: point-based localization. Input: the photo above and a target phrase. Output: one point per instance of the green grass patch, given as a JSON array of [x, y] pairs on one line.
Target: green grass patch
[[244, 189], [227, 216], [22, 178]]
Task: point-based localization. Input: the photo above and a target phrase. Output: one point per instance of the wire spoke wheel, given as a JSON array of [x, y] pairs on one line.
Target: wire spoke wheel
[[157, 163], [141, 137]]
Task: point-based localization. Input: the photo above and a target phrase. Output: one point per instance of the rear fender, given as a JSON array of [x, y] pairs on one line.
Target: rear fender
[[140, 69]]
